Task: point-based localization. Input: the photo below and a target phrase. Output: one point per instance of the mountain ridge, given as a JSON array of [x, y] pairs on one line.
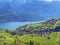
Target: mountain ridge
[[35, 11]]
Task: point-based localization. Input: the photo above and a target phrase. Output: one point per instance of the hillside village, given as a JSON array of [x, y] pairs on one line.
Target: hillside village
[[43, 28]]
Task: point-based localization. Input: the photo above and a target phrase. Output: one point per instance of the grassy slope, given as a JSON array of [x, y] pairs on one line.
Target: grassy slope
[[54, 38]]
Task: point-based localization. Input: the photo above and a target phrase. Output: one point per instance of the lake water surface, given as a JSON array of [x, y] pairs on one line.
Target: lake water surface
[[14, 25]]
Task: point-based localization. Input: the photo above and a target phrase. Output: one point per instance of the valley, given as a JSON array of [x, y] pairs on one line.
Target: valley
[[29, 22], [43, 33]]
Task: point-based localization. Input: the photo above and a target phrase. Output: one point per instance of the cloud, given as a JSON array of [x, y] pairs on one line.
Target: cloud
[[48, 0], [10, 0], [24, 1]]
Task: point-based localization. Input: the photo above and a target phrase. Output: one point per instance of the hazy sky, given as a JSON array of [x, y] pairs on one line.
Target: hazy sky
[[29, 0]]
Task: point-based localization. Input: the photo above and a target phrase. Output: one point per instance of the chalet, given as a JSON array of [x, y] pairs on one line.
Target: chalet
[[24, 31], [3, 37]]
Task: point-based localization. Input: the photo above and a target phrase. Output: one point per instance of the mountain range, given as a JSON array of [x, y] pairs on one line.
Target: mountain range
[[33, 10]]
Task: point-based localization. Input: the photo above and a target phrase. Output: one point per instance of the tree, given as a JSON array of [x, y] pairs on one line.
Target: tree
[[7, 31], [31, 43], [13, 33], [48, 38], [4, 43]]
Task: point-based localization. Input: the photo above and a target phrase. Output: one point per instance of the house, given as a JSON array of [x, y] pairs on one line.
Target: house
[[3, 37]]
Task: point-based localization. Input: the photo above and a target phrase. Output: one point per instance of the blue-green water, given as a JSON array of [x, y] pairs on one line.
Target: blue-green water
[[14, 25]]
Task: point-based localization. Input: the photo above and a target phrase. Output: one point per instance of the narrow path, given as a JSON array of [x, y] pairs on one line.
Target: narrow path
[[55, 24]]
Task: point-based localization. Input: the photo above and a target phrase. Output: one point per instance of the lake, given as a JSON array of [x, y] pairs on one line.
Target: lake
[[14, 25]]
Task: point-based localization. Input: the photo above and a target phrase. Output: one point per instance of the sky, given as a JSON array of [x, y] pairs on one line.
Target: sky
[[29, 0]]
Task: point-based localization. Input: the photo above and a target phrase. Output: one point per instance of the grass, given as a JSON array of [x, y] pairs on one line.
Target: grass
[[42, 40], [38, 40]]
